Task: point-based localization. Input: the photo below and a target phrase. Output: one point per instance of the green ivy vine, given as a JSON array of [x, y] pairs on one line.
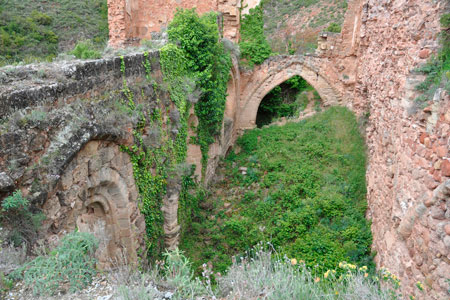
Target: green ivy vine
[[208, 64], [195, 59], [153, 165]]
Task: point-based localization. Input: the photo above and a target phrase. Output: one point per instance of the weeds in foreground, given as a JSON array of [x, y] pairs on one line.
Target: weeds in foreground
[[71, 265], [262, 274], [23, 224]]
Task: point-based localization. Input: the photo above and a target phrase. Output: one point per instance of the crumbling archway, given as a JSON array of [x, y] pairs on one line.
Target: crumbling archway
[[97, 194], [272, 73]]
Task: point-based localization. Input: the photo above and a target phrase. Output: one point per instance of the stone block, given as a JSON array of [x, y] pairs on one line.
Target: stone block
[[6, 182]]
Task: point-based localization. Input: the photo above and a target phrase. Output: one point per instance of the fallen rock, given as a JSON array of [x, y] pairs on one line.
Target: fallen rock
[[6, 183]]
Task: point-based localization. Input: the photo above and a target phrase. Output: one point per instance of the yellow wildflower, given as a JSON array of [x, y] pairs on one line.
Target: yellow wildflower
[[337, 293], [365, 275], [326, 274], [293, 261], [317, 279]]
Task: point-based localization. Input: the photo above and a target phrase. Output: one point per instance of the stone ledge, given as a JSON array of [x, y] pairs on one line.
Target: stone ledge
[[19, 87]]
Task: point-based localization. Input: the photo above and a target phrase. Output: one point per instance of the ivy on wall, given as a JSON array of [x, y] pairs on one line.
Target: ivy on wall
[[195, 69], [254, 46], [208, 64], [160, 141], [437, 69]]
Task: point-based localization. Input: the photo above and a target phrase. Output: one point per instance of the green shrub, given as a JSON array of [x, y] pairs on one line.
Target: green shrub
[[15, 202], [209, 64], [23, 224], [254, 46], [85, 50], [72, 263], [334, 27], [41, 18]]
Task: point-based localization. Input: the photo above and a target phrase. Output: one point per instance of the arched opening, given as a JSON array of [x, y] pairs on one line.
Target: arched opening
[[96, 220], [288, 100], [269, 75]]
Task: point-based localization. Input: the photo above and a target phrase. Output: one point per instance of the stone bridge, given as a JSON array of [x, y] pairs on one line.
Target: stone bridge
[[277, 70], [60, 135]]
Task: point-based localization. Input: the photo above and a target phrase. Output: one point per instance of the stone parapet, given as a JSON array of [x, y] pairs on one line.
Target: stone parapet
[[62, 82]]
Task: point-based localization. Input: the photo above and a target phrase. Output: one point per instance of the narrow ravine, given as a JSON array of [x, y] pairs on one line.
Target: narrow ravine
[[300, 187]]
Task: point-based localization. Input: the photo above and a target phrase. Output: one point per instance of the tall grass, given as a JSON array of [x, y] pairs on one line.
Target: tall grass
[[303, 190]]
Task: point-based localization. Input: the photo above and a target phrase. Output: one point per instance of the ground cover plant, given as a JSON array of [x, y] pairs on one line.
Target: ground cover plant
[[260, 274], [71, 264], [300, 186], [39, 29]]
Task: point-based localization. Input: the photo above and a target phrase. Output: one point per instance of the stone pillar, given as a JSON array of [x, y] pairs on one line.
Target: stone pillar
[[170, 213], [117, 20]]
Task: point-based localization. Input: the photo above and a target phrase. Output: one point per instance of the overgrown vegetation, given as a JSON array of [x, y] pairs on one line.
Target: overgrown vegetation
[[39, 29], [158, 153], [208, 65], [261, 274], [85, 50], [253, 45], [285, 100], [437, 69], [300, 186], [72, 263], [23, 223]]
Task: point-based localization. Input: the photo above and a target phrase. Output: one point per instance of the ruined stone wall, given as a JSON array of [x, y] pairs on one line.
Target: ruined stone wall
[[133, 20], [408, 175], [59, 145], [61, 127]]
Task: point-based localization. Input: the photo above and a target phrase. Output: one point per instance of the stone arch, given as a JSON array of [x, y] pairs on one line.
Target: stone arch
[[274, 72], [97, 194]]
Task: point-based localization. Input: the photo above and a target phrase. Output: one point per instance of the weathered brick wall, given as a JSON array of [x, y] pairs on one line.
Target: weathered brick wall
[[59, 144], [408, 176], [63, 82], [132, 20], [61, 126]]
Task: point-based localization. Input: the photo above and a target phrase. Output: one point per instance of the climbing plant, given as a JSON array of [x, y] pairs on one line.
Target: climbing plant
[[208, 65], [155, 156], [437, 69], [254, 46]]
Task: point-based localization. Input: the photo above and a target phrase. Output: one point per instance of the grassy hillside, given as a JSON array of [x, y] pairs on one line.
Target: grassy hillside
[[300, 186], [294, 25], [40, 29]]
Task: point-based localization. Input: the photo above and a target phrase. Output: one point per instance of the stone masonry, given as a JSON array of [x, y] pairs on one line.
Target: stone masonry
[[369, 68], [133, 20], [408, 176]]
